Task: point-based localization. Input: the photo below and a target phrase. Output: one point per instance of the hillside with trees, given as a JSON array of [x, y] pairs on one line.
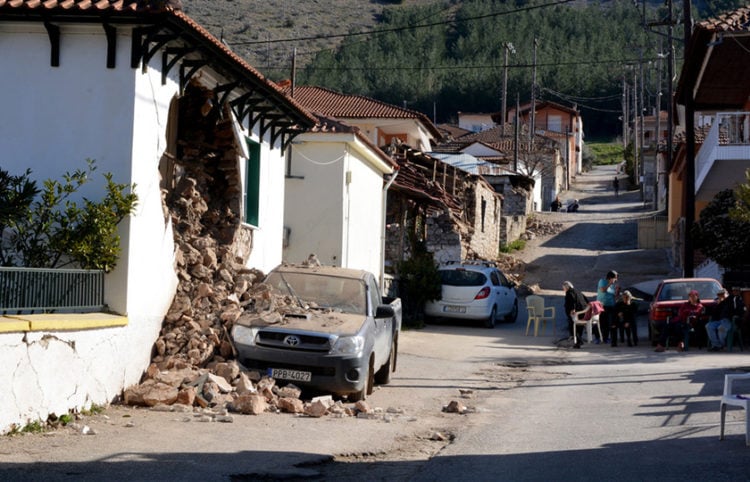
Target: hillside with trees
[[442, 57]]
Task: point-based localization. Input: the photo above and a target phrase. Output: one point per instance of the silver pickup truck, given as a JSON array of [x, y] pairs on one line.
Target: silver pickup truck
[[341, 335]]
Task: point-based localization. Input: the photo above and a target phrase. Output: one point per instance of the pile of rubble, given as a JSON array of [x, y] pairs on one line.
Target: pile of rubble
[[536, 227], [226, 387]]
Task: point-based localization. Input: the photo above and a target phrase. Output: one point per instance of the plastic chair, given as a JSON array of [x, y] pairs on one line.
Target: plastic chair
[[538, 314], [578, 320], [730, 398]]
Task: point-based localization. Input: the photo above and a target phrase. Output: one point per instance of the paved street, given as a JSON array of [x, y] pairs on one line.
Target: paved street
[[537, 411]]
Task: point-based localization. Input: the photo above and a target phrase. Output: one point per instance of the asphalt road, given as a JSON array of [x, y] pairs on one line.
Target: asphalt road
[[535, 410]]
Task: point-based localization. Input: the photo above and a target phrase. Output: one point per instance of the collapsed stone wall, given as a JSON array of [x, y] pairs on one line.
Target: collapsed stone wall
[[193, 362]]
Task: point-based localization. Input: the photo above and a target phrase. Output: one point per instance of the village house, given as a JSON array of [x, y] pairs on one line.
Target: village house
[[561, 123], [159, 102], [540, 160], [337, 181], [720, 86]]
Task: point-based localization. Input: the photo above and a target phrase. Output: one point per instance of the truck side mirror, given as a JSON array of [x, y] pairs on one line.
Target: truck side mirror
[[384, 311]]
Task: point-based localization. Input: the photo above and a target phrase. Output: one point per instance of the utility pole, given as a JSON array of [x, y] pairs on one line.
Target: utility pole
[[657, 136], [624, 113], [636, 151], [508, 48], [689, 256], [294, 70], [516, 135], [642, 132], [532, 113]]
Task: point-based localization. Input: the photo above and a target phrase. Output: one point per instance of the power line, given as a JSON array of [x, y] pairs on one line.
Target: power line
[[407, 27], [633, 61], [577, 98]]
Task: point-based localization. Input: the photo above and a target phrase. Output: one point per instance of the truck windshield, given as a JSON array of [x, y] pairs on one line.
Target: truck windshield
[[317, 291]]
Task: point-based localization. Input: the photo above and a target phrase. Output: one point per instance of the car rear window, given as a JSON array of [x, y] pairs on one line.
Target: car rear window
[[462, 277], [680, 290]]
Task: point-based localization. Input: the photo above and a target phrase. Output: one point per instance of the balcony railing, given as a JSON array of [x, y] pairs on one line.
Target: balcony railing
[[35, 290], [728, 139]]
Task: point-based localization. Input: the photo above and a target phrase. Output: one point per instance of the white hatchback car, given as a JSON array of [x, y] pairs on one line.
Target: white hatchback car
[[474, 290]]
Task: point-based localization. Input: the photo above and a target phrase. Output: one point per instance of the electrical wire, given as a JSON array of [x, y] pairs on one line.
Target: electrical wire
[[407, 27], [318, 163]]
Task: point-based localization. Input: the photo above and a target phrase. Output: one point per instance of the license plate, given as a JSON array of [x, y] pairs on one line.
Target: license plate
[[454, 309], [296, 375]]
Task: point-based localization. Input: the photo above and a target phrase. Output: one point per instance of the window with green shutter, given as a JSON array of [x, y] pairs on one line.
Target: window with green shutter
[[252, 184]]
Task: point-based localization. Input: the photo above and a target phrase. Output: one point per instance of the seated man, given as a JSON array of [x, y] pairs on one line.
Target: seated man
[[678, 325], [721, 321]]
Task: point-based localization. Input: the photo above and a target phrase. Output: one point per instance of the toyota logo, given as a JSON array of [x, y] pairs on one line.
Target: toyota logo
[[291, 340]]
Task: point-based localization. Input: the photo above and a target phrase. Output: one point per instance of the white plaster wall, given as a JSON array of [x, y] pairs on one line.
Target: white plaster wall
[[53, 119], [315, 200], [267, 246], [363, 218], [54, 372]]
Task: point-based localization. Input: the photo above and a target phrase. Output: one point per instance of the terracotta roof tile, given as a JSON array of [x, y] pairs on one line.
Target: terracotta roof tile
[[735, 21], [81, 6], [335, 104]]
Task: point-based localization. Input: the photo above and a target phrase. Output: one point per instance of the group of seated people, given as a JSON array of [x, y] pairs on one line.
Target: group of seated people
[[723, 315], [725, 312], [620, 321]]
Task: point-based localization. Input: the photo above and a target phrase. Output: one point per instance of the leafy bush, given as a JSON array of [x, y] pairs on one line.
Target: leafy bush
[[419, 282], [722, 237]]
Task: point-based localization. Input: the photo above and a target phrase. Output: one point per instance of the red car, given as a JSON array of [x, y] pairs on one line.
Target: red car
[[671, 293]]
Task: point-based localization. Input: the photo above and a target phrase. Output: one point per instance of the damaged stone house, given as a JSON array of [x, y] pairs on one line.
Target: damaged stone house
[[540, 161], [456, 214], [159, 102]]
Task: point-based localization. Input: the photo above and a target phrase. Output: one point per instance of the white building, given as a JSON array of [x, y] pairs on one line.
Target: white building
[[105, 82]]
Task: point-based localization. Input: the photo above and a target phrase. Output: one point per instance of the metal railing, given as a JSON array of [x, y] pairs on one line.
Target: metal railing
[[728, 139], [39, 290]]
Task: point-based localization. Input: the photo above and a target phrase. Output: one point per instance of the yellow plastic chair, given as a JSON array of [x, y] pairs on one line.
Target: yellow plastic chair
[[538, 314], [731, 398]]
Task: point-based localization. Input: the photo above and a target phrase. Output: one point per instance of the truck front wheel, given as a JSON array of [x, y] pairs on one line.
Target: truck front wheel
[[367, 388], [383, 375]]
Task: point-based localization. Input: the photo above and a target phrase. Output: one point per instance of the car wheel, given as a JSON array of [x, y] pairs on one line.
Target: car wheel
[[430, 320], [367, 388], [511, 317], [490, 322], [383, 376]]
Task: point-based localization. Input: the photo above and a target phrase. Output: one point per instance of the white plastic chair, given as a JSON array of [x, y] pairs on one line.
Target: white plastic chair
[[538, 314], [731, 398], [579, 321]]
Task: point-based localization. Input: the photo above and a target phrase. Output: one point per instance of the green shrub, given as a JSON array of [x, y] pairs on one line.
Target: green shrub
[[516, 245], [419, 282]]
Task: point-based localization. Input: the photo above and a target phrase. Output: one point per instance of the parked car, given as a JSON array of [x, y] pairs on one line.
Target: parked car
[[474, 290], [671, 293], [338, 334]]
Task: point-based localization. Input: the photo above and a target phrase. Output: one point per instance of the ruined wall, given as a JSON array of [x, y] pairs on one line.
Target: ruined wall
[[444, 240], [484, 235]]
